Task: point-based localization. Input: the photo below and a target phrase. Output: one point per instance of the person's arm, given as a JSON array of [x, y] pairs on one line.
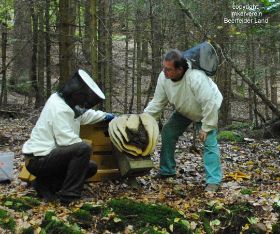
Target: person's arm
[[63, 129], [93, 116], [206, 94], [159, 101]]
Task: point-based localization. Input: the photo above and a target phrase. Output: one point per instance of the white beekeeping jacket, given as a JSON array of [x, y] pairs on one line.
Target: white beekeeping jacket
[[195, 96], [57, 126]]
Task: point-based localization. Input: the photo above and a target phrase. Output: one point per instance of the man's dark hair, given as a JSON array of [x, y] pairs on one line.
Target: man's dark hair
[[176, 56]]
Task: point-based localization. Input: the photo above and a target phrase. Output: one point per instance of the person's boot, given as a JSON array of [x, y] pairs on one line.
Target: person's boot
[[212, 188], [43, 190]]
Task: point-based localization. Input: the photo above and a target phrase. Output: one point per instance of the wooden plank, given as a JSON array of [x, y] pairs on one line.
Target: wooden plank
[[98, 135], [106, 161], [132, 165], [105, 174]]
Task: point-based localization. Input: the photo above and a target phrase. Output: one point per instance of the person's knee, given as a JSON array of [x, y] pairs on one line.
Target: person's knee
[[92, 169], [85, 149]]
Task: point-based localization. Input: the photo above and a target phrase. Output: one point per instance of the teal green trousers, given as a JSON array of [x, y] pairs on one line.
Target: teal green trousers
[[171, 131]]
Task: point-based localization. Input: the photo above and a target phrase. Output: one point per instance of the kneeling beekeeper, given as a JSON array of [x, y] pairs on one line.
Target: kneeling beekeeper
[[55, 153]]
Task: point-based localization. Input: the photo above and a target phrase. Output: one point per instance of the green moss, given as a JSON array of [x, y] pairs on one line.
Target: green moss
[[140, 214], [48, 218], [238, 216], [51, 224], [49, 214], [276, 207], [6, 221], [82, 217], [20, 204], [32, 201], [93, 209], [29, 230], [232, 217], [276, 228], [150, 230], [246, 191], [57, 226], [230, 136]]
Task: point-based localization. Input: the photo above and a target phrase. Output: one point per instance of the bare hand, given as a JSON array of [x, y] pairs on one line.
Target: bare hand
[[202, 135]]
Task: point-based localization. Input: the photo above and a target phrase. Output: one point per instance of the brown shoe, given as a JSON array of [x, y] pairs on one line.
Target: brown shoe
[[212, 188]]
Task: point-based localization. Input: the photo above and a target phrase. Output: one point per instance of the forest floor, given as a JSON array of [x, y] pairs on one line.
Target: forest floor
[[248, 200]]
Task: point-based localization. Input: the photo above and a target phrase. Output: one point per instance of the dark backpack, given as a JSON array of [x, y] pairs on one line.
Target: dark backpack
[[203, 57]]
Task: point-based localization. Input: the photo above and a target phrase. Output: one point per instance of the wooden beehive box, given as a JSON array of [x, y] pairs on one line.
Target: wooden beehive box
[[131, 166], [97, 136]]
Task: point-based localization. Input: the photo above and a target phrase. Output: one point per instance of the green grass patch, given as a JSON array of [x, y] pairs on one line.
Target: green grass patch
[[246, 191], [20, 204], [230, 136], [29, 230], [6, 221], [229, 218], [276, 207], [276, 228], [92, 209], [52, 224], [144, 216], [81, 217]]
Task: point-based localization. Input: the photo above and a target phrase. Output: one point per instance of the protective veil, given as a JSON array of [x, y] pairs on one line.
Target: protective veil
[[81, 93]]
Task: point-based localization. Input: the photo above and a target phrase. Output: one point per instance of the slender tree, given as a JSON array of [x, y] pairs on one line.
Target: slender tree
[[41, 54], [126, 58], [3, 96], [93, 39], [67, 16], [48, 49]]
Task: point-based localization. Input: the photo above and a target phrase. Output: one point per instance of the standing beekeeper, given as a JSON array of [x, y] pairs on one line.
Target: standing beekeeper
[[196, 98], [55, 153]]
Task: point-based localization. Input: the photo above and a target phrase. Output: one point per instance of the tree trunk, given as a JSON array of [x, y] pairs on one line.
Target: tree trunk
[[266, 80], [67, 15], [108, 55], [133, 77], [48, 50], [33, 73], [273, 75], [126, 59], [223, 75], [101, 46], [138, 62], [156, 45], [93, 40], [89, 7], [253, 75], [22, 43], [41, 56], [248, 70], [3, 97]]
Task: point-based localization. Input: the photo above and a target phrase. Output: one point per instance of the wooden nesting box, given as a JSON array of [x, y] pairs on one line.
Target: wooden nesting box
[[131, 166], [97, 136]]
